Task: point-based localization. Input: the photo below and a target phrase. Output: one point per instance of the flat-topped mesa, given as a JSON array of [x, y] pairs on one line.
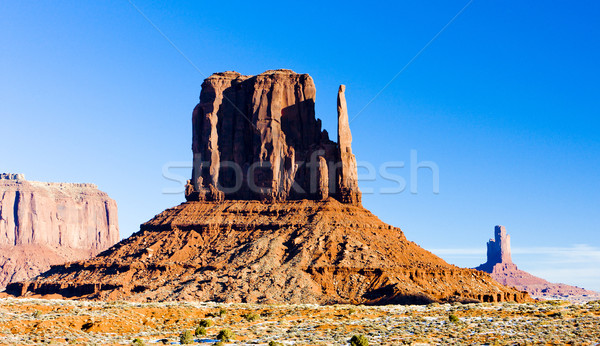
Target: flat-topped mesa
[[257, 138], [12, 176]]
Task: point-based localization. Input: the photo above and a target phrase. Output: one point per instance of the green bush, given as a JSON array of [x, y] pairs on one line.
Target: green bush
[[186, 337], [275, 343], [225, 335], [205, 323], [251, 317], [222, 312], [200, 331], [138, 342], [220, 343], [359, 340], [453, 318]]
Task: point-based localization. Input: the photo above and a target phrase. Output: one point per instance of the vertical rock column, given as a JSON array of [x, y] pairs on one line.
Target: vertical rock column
[[347, 176], [502, 240]]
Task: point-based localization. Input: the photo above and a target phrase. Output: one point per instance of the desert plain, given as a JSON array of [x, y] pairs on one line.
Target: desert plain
[[62, 322]]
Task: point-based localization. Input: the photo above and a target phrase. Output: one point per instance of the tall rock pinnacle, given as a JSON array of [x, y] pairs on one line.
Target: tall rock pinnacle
[[498, 249], [257, 138], [347, 172]]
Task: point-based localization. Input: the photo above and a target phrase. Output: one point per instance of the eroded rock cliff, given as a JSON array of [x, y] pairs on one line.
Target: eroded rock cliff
[[51, 223], [257, 137]]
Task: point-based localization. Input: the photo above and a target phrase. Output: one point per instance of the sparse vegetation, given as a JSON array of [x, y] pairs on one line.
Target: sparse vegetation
[[251, 317], [225, 335], [87, 326], [205, 323], [138, 342], [186, 337], [359, 340], [120, 323], [453, 318], [200, 331], [222, 312]]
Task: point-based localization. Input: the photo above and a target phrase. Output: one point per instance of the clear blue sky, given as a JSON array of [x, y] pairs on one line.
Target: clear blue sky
[[505, 101]]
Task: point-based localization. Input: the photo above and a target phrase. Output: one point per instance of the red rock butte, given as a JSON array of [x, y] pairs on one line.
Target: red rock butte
[[273, 215], [257, 138]]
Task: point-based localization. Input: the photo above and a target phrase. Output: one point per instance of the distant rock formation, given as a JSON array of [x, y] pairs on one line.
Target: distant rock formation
[[301, 237], [42, 224], [499, 264], [498, 250], [257, 137]]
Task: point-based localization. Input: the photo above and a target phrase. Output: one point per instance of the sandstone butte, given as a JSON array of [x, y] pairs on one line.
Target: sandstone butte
[[501, 267], [292, 231], [43, 224]]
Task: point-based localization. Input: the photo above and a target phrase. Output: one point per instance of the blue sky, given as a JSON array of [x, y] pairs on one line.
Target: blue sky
[[504, 101]]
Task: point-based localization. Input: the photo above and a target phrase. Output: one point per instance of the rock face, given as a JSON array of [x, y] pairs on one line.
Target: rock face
[[300, 237], [51, 223], [499, 264], [257, 138]]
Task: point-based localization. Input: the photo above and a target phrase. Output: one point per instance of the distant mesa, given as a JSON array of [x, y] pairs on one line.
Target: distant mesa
[[273, 215], [499, 264], [44, 224]]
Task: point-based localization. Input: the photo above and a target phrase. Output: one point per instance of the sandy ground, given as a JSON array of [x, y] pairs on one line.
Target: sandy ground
[[37, 321]]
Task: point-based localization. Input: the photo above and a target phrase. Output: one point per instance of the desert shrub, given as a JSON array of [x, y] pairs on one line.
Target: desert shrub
[[205, 323], [37, 314], [186, 337], [359, 340], [87, 326], [225, 335], [275, 343], [220, 343], [251, 317], [453, 318], [200, 331], [138, 342], [222, 312]]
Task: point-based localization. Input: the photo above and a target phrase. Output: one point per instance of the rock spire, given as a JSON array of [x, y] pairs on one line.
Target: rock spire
[[502, 269]]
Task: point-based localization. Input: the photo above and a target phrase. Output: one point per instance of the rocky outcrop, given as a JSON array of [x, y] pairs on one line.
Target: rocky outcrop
[[51, 223], [499, 264], [257, 137], [273, 216]]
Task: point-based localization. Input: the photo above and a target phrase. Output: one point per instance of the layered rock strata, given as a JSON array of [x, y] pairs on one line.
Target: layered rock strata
[[51, 223]]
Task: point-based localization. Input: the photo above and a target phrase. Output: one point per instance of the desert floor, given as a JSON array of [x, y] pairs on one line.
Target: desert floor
[[36, 321]]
